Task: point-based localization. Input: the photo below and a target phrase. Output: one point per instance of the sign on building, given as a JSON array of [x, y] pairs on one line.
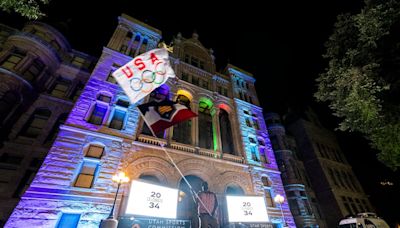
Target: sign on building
[[127, 222], [152, 200], [246, 209]]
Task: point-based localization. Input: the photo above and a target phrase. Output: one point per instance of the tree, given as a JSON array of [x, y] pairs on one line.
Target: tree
[[362, 81], [27, 8]]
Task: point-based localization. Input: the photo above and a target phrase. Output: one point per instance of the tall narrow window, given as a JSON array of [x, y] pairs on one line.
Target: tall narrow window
[[86, 175], [182, 131], [275, 142], [36, 123], [117, 121], [98, 114], [110, 78], [294, 207], [100, 109], [78, 61], [12, 60], [8, 102], [77, 91], [248, 123], [267, 190], [33, 70], [89, 167], [226, 132], [143, 47], [56, 128], [60, 88], [195, 80], [119, 115], [185, 77], [205, 121], [134, 46], [307, 206], [254, 154], [95, 151], [24, 183]]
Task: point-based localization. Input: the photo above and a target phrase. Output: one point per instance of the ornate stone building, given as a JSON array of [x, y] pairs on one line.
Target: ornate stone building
[[336, 188], [301, 197], [41, 78], [227, 145]]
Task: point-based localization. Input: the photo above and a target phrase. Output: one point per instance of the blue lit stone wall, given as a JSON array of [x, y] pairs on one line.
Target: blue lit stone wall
[[52, 192], [260, 168]]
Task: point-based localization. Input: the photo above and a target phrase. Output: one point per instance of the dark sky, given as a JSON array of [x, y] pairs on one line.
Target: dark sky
[[280, 42]]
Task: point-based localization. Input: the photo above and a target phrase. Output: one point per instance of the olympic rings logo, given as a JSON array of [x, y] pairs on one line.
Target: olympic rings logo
[[148, 79]]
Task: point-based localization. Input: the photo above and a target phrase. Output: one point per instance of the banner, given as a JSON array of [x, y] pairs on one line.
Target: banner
[[144, 73], [152, 200], [250, 209], [128, 222]]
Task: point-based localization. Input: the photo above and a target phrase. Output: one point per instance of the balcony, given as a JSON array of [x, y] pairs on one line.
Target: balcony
[[191, 149]]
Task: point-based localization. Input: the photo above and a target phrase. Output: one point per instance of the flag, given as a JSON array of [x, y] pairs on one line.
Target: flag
[[164, 114], [144, 73]]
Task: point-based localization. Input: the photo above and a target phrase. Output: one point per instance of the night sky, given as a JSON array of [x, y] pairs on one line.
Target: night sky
[[280, 42]]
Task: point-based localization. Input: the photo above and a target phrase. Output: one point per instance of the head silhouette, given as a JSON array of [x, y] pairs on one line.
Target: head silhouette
[[204, 186]]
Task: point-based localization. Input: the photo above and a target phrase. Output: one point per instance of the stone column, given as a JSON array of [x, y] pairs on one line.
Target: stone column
[[140, 45], [195, 123], [216, 129]]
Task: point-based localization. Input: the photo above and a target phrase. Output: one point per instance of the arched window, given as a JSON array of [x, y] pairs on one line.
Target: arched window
[[234, 190], [182, 130], [119, 114], [90, 166], [8, 102], [149, 178], [56, 128], [226, 132], [36, 123], [187, 208], [205, 121], [100, 109]]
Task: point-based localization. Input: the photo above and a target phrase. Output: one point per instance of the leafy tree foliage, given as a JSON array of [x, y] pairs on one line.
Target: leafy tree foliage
[[362, 81], [27, 8]]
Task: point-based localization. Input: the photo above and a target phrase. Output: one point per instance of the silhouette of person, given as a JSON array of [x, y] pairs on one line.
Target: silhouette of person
[[207, 208]]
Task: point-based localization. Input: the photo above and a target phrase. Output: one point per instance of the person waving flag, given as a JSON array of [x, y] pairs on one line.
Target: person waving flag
[[143, 74]]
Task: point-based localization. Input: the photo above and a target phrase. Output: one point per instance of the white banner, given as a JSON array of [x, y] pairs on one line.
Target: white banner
[[246, 209], [144, 73], [152, 200]]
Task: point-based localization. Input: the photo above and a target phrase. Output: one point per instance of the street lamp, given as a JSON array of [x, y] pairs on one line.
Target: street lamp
[[119, 178], [279, 200]]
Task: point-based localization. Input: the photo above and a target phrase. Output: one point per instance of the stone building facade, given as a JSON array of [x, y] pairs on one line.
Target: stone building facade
[[41, 77], [227, 145], [337, 190], [301, 197]]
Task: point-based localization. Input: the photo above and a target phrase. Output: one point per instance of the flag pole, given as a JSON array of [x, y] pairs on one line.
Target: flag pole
[[175, 165]]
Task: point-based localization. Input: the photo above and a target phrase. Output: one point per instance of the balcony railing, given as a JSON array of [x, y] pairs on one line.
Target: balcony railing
[[191, 149]]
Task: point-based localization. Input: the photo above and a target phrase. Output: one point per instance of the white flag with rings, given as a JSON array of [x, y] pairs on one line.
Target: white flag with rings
[[144, 73]]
